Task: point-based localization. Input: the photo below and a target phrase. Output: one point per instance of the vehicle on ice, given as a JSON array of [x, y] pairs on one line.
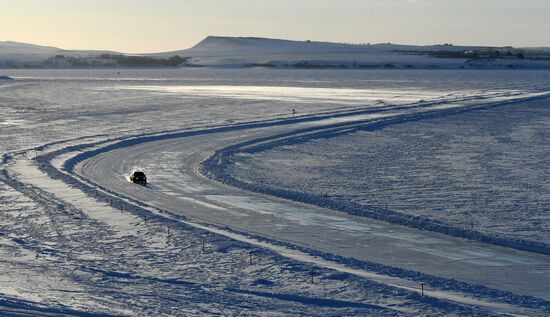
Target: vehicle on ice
[[138, 177]]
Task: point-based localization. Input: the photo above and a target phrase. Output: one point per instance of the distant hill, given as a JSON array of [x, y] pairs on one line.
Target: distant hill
[[10, 47], [16, 51], [218, 51], [218, 45], [21, 54]]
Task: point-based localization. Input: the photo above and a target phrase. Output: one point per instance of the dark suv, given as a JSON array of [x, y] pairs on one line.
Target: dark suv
[[138, 177]]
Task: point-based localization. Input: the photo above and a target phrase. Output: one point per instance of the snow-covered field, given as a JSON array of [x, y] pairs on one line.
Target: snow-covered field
[[65, 251], [51, 105]]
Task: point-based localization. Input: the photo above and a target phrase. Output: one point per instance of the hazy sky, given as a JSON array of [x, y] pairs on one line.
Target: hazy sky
[[163, 25]]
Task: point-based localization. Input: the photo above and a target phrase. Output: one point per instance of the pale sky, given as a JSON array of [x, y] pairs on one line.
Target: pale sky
[[162, 25]]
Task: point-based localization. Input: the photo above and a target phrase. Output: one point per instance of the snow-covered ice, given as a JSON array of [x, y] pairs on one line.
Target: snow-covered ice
[[72, 248]]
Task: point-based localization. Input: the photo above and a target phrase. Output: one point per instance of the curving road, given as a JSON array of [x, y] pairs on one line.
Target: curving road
[[176, 185]]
